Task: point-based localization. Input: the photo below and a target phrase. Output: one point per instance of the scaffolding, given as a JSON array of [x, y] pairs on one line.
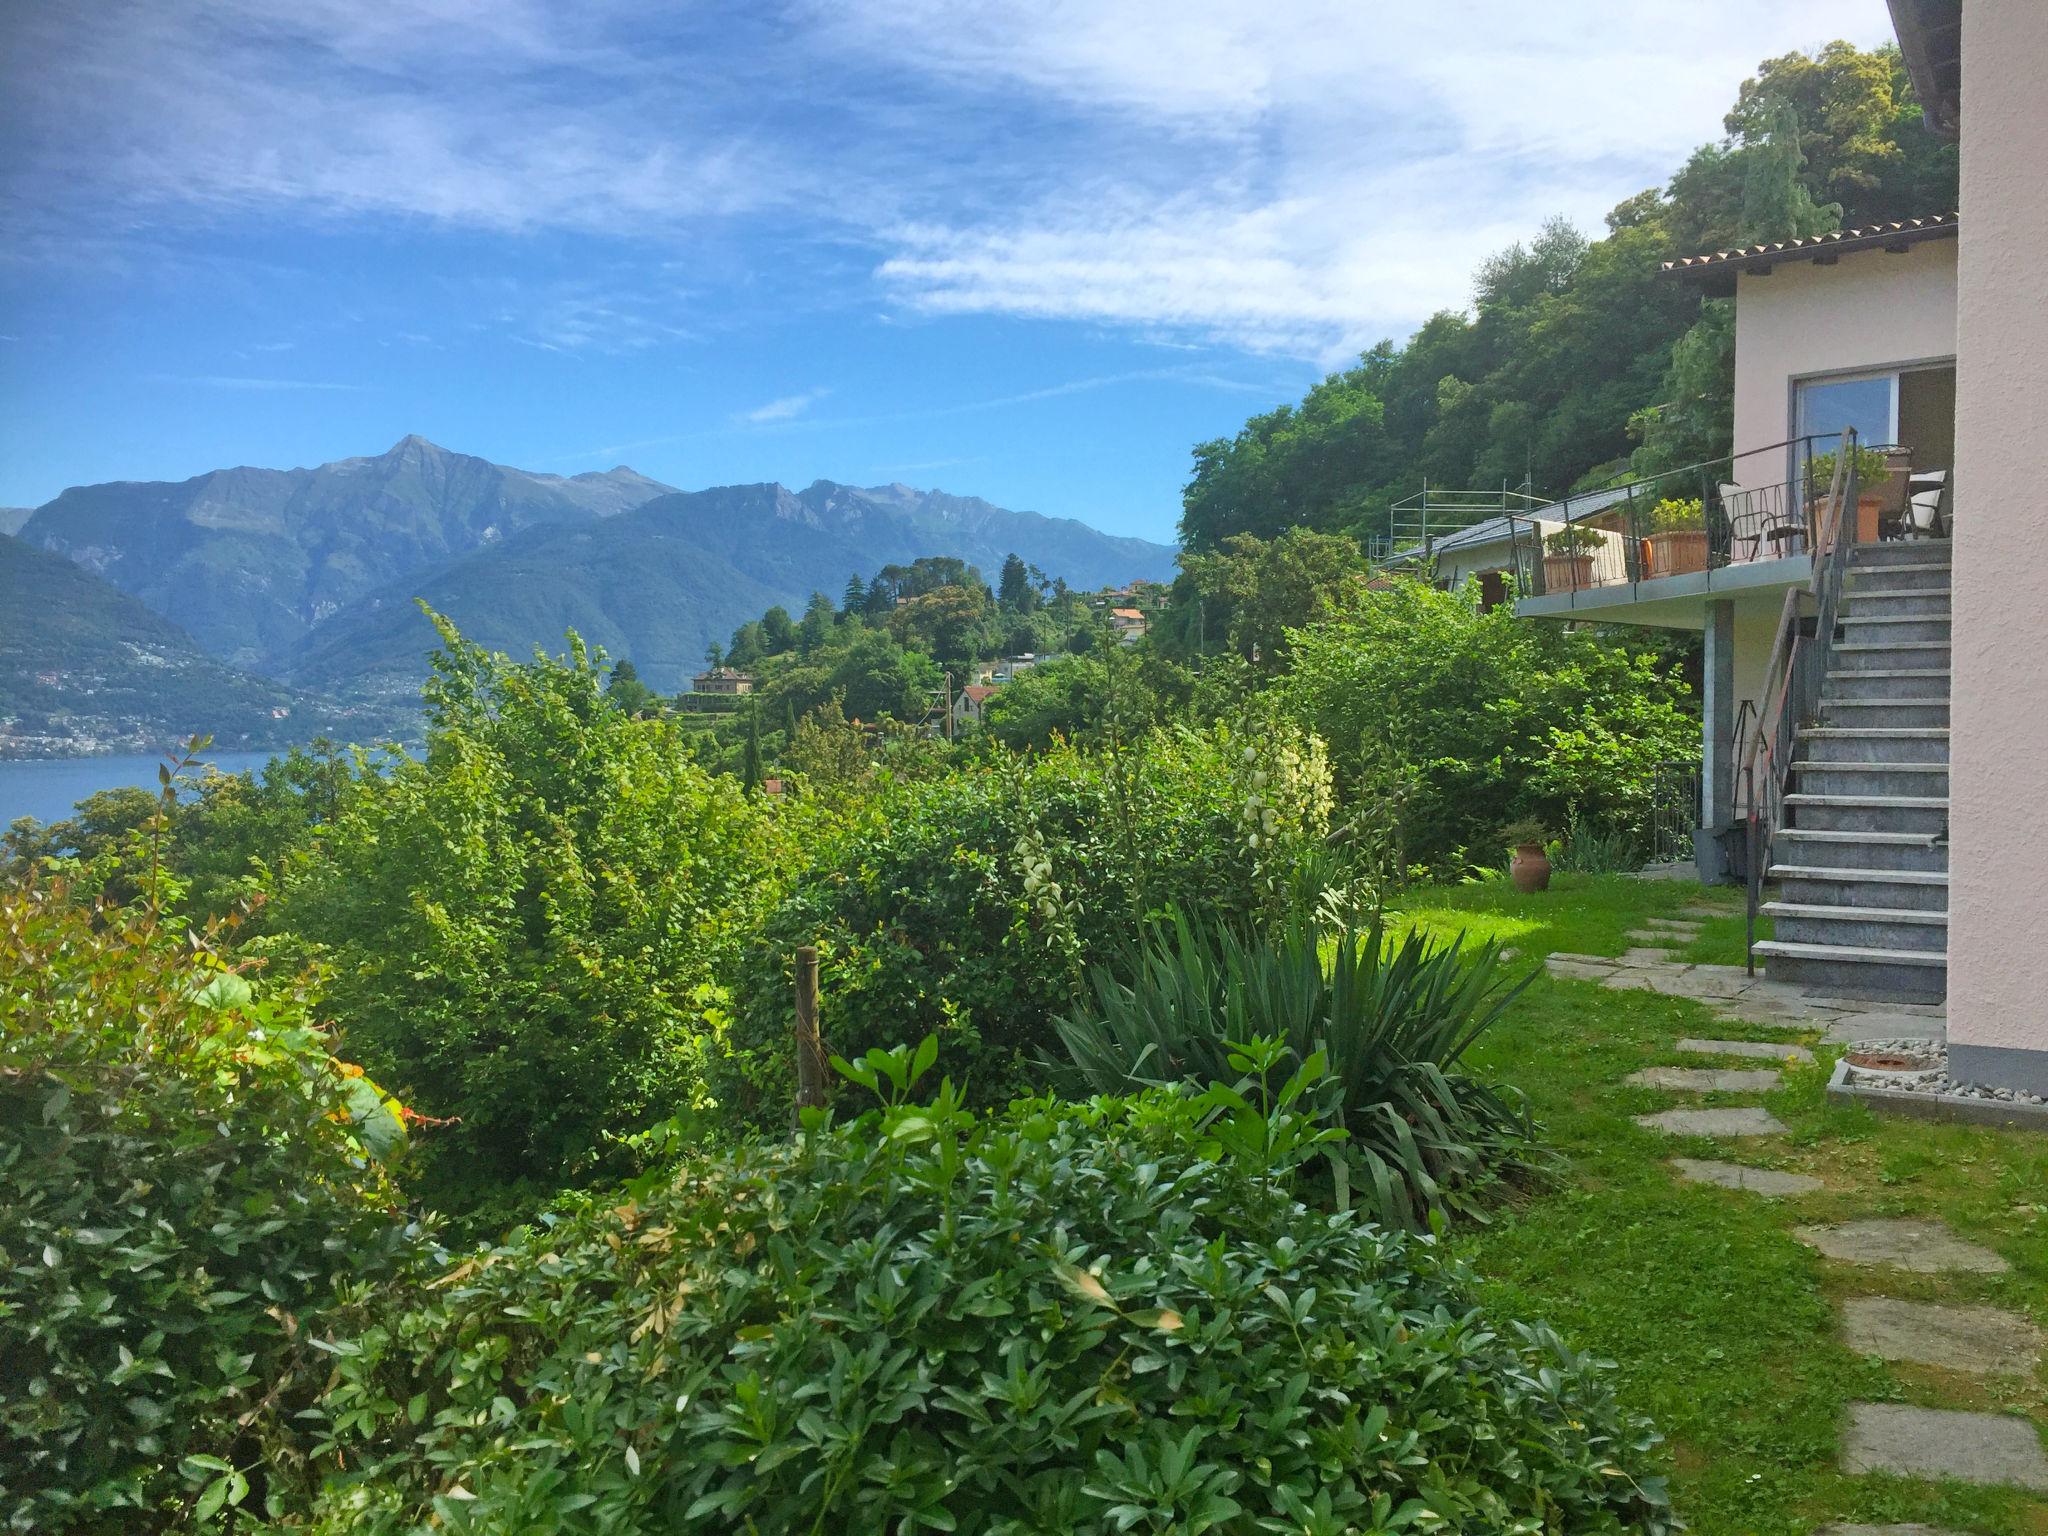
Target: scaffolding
[[1414, 523]]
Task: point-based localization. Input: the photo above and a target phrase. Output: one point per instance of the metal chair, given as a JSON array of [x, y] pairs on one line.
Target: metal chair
[[1930, 512]]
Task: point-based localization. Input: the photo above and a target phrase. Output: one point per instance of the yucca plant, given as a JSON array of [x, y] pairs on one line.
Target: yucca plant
[[1392, 1017]]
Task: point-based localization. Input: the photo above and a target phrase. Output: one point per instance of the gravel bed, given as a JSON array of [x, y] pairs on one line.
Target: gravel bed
[[1929, 1074]]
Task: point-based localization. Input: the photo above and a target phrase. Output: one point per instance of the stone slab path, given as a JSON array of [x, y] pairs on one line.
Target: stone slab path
[[1984, 1341], [1761, 1181], [1705, 1079], [1923, 1247], [1942, 1442], [1899, 1439], [1744, 1120], [1756, 1050]]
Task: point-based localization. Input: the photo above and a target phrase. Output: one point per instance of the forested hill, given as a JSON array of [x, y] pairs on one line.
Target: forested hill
[[660, 583], [85, 668], [1575, 355]]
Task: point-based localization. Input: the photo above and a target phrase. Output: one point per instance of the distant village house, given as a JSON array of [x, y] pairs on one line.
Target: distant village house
[[723, 680]]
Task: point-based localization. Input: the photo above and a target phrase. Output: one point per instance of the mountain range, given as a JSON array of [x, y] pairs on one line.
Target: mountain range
[[307, 576]]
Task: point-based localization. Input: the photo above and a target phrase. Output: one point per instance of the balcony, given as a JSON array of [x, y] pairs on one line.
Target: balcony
[[1663, 544]]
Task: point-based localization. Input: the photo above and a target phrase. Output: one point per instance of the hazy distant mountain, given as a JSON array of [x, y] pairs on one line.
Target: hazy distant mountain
[[11, 518], [86, 668], [250, 560], [658, 583], [310, 573]]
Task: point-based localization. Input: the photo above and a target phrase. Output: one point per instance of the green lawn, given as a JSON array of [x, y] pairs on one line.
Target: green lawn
[[1723, 1325]]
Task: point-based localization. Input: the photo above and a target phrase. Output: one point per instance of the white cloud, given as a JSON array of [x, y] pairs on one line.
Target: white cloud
[[1298, 178], [788, 408]]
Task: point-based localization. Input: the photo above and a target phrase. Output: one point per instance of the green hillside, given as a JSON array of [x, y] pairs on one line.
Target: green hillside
[[85, 668]]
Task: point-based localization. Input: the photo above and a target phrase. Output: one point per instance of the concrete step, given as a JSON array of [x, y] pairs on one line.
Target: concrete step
[[1885, 683], [1844, 853], [1897, 578], [1899, 890], [1804, 922], [1924, 814], [1897, 552], [1884, 714], [1860, 628], [1875, 744], [1913, 780], [1888, 655], [1892, 601], [1920, 975]]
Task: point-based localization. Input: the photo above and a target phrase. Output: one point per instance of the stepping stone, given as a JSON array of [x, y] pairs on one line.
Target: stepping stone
[[1887, 1530], [1866, 1005], [1664, 943], [1985, 1448], [1851, 1028], [1758, 1181], [1571, 959], [1579, 970], [1757, 1050], [1714, 1122], [1641, 956], [1925, 1247], [1985, 1341], [1705, 1079]]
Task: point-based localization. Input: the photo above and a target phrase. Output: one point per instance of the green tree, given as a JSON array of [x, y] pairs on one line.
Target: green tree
[[518, 924], [820, 619], [1015, 592], [855, 598], [750, 768], [778, 631], [627, 691]]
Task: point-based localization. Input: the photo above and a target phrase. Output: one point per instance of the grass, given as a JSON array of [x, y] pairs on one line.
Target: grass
[[1723, 1326]]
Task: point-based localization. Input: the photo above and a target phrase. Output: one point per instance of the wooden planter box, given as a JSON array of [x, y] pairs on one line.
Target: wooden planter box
[[1567, 573], [1674, 554]]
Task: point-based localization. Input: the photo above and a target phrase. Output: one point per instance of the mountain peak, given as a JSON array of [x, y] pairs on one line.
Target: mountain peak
[[413, 443]]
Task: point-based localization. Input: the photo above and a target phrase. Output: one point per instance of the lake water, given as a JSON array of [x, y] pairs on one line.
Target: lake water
[[47, 788]]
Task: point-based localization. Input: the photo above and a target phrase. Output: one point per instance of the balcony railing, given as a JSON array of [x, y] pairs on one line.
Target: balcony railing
[[1758, 505]]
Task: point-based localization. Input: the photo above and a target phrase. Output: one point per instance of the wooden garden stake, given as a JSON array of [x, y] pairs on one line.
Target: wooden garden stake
[[810, 1052]]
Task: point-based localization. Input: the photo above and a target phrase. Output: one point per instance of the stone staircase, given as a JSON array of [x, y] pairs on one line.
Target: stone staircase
[[1862, 860]]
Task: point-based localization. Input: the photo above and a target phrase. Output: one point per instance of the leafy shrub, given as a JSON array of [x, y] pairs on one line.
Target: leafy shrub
[[970, 906], [1393, 1018], [1068, 1318], [195, 1198], [1492, 717], [521, 926]]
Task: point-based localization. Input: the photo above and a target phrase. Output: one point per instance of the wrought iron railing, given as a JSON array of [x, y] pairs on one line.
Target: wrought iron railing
[[1768, 737], [1701, 519], [1675, 810]]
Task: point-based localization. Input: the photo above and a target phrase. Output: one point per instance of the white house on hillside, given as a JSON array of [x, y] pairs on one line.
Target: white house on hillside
[[1876, 710]]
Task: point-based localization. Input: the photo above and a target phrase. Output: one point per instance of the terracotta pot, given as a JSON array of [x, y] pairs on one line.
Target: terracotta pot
[[1562, 573], [1530, 869], [1674, 554]]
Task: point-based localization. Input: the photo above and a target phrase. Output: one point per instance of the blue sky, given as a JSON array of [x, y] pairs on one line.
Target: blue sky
[[1029, 252]]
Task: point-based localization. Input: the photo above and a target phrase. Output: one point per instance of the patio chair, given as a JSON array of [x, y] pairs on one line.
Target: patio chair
[[1930, 512]]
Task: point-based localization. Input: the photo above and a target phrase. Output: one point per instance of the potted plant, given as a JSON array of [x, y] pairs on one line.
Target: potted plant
[[1568, 557], [1677, 540], [1529, 864], [1873, 469]]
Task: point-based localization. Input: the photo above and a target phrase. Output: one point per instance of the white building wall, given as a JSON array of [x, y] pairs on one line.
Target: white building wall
[[1998, 819], [1868, 310]]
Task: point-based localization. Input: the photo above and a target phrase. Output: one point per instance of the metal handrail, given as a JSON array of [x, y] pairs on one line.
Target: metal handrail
[[1777, 506], [1796, 672]]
